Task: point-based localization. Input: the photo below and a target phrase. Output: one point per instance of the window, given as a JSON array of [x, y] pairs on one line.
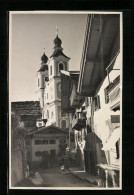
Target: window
[[44, 141], [52, 141], [60, 67], [38, 153], [52, 115], [63, 124], [38, 82], [46, 79], [47, 114], [62, 141], [37, 142], [117, 150], [97, 102], [51, 70]]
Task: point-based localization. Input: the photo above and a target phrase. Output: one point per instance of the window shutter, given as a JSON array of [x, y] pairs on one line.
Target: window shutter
[[98, 102], [106, 96]]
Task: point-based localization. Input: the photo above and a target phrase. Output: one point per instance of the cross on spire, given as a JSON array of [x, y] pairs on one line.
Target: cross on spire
[[56, 30]]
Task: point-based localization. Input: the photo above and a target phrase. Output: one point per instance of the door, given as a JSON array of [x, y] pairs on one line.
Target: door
[[45, 160], [52, 158]]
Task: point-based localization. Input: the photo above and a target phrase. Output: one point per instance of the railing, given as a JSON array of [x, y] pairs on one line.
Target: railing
[[79, 120]]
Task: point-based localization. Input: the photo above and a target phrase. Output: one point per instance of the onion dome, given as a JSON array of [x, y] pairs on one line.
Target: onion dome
[[44, 58], [57, 48], [57, 42]]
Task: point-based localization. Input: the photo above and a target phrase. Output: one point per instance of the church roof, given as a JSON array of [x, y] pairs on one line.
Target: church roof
[[58, 52], [43, 68], [57, 48], [44, 58]]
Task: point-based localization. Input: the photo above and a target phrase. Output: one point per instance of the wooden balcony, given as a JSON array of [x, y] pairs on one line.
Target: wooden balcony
[[79, 121]]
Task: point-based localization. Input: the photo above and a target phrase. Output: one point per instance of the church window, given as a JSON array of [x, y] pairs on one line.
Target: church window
[[52, 115], [51, 70], [47, 114], [63, 124], [60, 67]]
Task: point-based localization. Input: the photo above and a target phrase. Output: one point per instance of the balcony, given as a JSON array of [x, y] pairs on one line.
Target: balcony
[[114, 95], [79, 121], [75, 99]]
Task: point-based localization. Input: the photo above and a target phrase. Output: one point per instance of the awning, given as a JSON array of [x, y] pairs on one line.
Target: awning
[[112, 140]]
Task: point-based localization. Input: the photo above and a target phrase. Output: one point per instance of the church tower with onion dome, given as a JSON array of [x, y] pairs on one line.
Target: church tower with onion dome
[[42, 79], [52, 94]]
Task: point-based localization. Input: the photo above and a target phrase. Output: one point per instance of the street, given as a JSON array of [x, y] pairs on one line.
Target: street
[[53, 178]]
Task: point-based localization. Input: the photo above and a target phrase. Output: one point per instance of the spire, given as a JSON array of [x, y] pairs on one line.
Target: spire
[[56, 30], [57, 47], [44, 60]]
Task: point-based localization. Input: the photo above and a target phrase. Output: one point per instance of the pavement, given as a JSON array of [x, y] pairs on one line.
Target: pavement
[[73, 177], [80, 173]]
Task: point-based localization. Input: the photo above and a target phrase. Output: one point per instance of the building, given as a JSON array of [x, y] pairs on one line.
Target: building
[[28, 112], [46, 146], [99, 82], [94, 99], [49, 86], [54, 132]]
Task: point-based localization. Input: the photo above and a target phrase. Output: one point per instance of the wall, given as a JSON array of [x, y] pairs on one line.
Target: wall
[[102, 117], [101, 126], [17, 173]]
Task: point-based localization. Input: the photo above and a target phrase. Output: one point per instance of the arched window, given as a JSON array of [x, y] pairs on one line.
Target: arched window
[[60, 67], [63, 124], [51, 70], [47, 114], [52, 115]]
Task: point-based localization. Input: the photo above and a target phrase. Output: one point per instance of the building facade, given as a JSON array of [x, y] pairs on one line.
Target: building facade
[[94, 100]]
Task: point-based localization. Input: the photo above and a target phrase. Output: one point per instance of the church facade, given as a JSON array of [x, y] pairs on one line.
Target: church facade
[[49, 86]]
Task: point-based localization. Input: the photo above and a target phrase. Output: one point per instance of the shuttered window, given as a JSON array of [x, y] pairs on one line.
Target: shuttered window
[[97, 103]]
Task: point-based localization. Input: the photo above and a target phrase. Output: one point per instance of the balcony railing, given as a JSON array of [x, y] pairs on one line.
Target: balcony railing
[[79, 121]]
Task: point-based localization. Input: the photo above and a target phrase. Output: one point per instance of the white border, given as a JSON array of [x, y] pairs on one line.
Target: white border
[[10, 79]]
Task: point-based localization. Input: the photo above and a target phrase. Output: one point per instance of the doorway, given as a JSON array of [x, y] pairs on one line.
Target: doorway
[[52, 158]]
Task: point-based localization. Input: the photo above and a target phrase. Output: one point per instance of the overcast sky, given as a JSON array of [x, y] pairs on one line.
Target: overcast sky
[[29, 35]]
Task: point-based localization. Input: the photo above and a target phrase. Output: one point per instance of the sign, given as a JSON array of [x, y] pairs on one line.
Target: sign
[[115, 118]]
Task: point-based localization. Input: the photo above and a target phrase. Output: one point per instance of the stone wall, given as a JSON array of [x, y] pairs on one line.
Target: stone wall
[[17, 167]]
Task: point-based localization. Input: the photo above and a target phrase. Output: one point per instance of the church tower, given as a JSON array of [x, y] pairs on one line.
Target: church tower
[[42, 79], [52, 96]]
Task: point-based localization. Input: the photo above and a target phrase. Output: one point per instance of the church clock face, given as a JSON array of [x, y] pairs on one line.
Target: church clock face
[[59, 90]]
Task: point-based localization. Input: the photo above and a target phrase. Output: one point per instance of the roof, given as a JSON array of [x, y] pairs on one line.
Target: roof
[[26, 107], [57, 53], [46, 128], [43, 68]]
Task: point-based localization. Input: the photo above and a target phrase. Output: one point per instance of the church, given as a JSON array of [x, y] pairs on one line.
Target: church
[[49, 86], [54, 134]]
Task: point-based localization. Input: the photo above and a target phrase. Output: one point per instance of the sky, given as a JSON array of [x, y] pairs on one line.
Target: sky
[[29, 35]]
